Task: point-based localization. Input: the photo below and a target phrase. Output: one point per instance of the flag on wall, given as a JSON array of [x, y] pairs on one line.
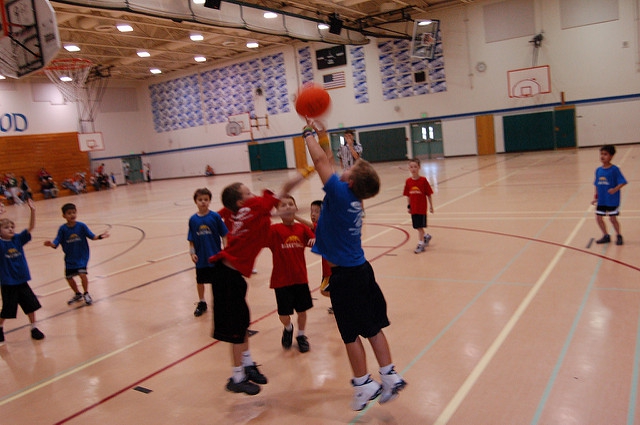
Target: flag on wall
[[333, 81]]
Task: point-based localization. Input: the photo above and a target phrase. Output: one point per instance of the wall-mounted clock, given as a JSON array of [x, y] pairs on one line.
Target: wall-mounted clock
[[481, 67]]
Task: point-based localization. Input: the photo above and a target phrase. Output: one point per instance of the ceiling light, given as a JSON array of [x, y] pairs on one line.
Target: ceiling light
[[124, 27], [66, 79], [196, 37], [198, 1], [155, 71], [200, 59], [323, 26], [2, 77], [270, 15], [252, 44], [144, 54], [423, 23], [72, 48]]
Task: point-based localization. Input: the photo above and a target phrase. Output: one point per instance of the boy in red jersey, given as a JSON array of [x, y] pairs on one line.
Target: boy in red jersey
[[287, 241], [248, 224], [418, 191]]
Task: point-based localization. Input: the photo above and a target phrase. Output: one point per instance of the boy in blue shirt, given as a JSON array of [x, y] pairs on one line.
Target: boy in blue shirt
[[14, 274], [358, 304], [207, 233], [73, 237], [608, 182]]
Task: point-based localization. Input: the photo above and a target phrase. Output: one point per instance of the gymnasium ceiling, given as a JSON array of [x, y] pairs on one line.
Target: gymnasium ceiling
[[163, 28]]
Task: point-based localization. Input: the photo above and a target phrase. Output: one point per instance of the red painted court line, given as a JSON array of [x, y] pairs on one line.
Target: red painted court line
[[180, 360]]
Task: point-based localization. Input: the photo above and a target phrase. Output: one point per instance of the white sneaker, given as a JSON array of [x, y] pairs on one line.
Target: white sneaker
[[363, 394], [392, 383], [427, 238], [419, 248]]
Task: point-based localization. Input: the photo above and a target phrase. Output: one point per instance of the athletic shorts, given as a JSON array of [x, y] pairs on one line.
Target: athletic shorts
[[294, 297], [14, 295], [69, 273], [358, 304], [230, 310], [205, 274], [419, 221], [606, 210]]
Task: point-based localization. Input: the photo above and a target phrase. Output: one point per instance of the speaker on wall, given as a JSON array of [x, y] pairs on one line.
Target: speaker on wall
[[335, 24], [212, 4]]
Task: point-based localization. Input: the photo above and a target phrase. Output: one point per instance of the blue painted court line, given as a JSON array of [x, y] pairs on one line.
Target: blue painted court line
[[565, 347]]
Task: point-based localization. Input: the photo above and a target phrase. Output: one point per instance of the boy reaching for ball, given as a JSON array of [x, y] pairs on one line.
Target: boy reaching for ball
[[358, 304], [248, 220]]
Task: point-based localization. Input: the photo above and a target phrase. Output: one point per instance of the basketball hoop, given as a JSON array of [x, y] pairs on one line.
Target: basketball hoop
[[69, 76], [80, 81]]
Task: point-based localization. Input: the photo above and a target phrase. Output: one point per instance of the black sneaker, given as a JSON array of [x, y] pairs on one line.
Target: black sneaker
[[254, 375], [243, 387], [77, 297], [36, 334], [619, 240], [303, 343], [287, 338], [200, 309], [604, 239]]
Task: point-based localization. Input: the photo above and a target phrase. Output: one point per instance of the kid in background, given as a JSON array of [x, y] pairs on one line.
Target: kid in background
[[359, 306], [608, 182], [73, 237], [14, 274], [287, 241], [418, 191], [250, 220], [207, 233]]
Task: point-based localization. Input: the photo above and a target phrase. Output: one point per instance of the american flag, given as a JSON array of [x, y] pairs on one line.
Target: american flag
[[333, 81]]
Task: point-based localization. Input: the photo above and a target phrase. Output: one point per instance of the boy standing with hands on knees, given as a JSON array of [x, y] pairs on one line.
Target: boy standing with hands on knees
[[358, 303]]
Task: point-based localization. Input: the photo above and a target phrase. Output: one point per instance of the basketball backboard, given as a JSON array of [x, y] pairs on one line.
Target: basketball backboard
[[89, 142], [425, 36], [528, 82], [29, 38]]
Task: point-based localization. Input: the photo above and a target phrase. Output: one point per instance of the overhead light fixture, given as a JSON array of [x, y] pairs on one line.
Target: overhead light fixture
[[335, 24], [196, 37], [72, 48], [198, 1], [124, 27], [423, 23], [270, 15], [200, 59], [2, 77], [252, 44], [323, 26], [155, 71], [144, 54], [212, 4], [66, 79]]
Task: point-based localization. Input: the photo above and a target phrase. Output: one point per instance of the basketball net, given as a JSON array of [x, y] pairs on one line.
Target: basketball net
[[81, 82]]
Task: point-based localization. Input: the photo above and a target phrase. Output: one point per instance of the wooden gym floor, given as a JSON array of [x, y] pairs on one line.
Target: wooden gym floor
[[511, 316]]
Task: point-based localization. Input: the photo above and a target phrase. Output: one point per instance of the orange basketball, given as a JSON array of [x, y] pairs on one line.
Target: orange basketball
[[312, 101]]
